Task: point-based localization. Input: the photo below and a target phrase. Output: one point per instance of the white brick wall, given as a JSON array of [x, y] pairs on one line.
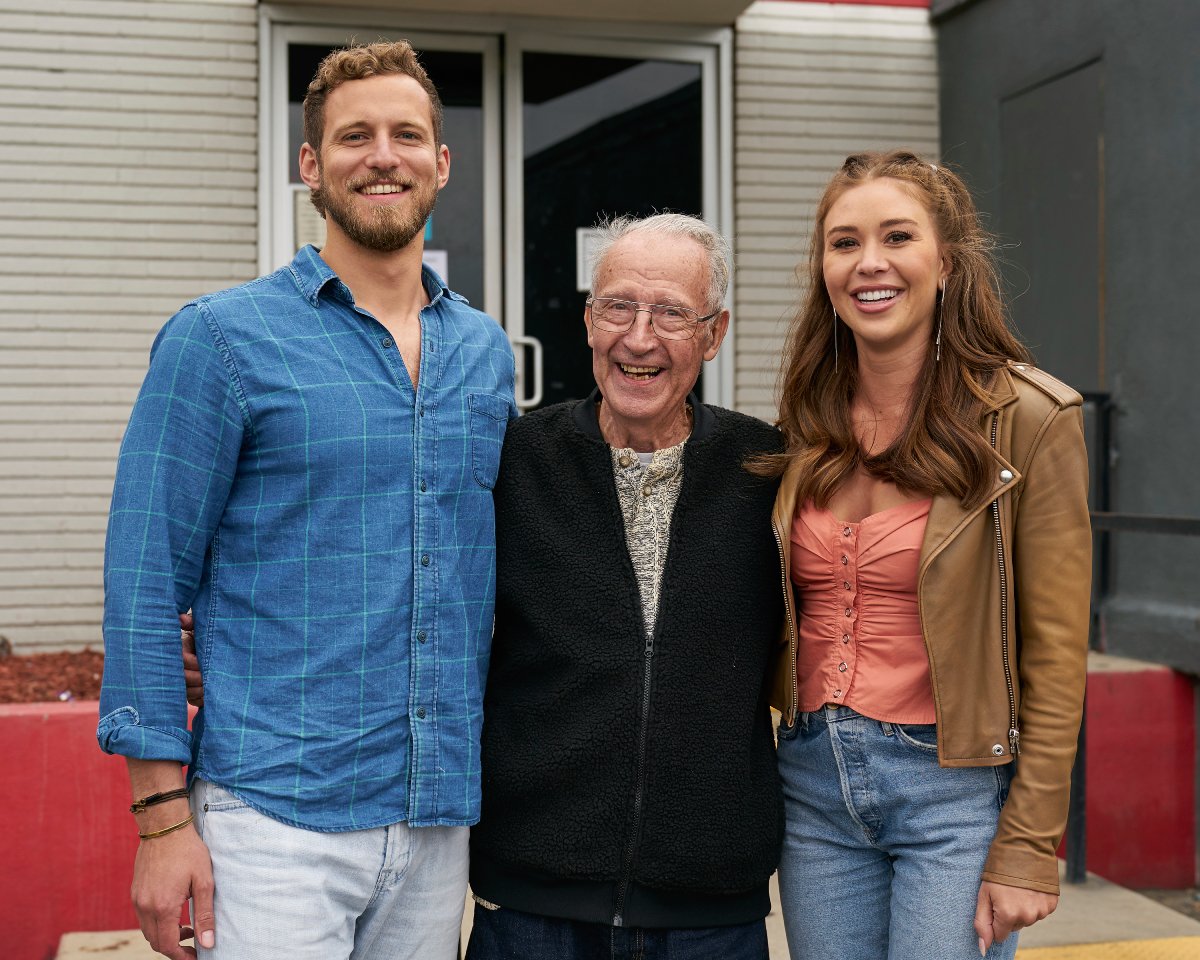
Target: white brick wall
[[813, 83], [128, 155]]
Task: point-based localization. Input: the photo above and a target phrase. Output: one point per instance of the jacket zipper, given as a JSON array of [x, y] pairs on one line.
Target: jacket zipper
[[639, 783], [1014, 734], [787, 607]]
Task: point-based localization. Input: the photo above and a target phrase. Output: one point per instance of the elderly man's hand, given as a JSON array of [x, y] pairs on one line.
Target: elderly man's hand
[[191, 663]]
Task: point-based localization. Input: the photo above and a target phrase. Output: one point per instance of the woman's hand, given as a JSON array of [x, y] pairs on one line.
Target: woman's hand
[[1001, 909]]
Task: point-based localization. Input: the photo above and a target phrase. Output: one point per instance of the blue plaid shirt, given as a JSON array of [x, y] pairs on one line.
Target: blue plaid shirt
[[332, 529]]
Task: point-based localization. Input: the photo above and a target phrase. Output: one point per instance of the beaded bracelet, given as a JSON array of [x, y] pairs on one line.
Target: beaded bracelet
[[166, 830]]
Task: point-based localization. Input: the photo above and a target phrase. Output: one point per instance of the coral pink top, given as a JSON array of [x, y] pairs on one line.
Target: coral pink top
[[860, 631]]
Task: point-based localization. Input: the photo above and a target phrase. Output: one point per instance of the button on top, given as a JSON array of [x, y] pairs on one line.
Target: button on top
[[625, 460], [386, 342], [845, 531]]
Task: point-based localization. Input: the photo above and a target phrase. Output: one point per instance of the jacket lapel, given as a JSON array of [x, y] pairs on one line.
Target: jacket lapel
[[947, 515]]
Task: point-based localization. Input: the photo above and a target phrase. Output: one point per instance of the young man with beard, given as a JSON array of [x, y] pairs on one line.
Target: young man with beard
[[309, 468]]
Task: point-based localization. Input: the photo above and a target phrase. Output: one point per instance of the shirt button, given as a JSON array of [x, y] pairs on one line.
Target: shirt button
[[422, 410], [842, 666], [845, 638], [845, 560], [846, 531], [837, 693], [386, 342], [423, 487], [420, 713], [848, 611], [424, 559], [421, 636], [647, 490], [846, 584]]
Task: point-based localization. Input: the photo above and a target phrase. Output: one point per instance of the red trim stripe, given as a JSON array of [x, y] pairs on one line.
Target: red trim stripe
[[878, 3]]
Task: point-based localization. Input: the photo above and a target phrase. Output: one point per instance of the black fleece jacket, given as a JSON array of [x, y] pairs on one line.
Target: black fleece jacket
[[630, 779]]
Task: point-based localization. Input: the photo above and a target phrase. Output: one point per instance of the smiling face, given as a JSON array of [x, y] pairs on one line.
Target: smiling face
[[379, 168], [882, 265], [644, 379]]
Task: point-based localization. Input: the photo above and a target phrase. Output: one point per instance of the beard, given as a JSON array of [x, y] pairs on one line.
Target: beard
[[383, 229]]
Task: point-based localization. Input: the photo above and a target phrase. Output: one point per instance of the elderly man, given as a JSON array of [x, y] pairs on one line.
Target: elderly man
[[631, 805]]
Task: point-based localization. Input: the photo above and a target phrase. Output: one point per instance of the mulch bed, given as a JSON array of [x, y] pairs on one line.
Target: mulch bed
[[32, 678]]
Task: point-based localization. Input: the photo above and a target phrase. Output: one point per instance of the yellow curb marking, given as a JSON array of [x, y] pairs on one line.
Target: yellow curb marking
[[1173, 948]]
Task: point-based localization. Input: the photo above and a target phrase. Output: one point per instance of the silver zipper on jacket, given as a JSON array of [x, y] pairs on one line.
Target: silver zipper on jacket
[[1014, 734], [787, 608], [639, 789]]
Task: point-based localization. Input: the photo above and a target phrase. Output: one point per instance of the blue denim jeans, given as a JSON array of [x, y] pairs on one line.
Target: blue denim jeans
[[883, 849], [512, 935], [390, 893]]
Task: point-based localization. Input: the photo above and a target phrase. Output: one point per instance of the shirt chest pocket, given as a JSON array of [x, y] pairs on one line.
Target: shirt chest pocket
[[489, 417]]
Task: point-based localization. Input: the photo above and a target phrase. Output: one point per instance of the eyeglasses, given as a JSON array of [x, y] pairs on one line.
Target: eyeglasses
[[668, 321]]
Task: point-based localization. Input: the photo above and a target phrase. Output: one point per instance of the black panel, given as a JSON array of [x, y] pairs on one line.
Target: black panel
[[1049, 217]]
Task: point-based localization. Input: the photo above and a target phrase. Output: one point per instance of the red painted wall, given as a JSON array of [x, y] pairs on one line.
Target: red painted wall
[[67, 839], [878, 3], [1141, 782]]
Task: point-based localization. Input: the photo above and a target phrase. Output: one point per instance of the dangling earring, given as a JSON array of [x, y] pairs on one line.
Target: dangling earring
[[835, 336], [941, 300]]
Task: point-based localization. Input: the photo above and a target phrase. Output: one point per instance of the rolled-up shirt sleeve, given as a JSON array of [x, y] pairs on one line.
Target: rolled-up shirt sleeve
[[177, 463]]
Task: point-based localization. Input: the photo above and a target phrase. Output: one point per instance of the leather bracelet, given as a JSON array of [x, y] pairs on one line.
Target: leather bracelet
[[139, 806], [166, 830]]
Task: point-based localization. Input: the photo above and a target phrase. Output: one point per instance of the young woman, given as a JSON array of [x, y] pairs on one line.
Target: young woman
[[933, 524]]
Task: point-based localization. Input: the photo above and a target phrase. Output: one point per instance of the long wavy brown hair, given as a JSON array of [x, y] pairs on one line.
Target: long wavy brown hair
[[941, 448]]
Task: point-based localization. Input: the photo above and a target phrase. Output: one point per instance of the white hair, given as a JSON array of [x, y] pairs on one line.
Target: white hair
[[670, 225]]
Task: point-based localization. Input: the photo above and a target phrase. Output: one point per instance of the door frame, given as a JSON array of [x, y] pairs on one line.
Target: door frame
[[711, 47], [519, 42]]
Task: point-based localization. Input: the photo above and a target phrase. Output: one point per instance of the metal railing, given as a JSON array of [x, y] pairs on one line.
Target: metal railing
[[1104, 523]]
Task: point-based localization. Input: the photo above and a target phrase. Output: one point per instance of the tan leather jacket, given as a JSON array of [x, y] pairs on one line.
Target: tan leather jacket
[[1003, 595]]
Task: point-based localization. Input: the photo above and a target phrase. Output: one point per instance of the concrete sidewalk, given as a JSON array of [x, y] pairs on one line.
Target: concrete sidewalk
[[1095, 921]]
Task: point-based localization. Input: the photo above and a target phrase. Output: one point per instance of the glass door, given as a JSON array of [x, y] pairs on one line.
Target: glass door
[[595, 129], [588, 126]]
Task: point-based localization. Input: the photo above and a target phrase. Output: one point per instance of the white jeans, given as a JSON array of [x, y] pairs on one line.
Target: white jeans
[[392, 892]]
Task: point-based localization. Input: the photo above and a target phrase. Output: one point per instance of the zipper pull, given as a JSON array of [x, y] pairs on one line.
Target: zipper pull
[[649, 653], [1014, 741]]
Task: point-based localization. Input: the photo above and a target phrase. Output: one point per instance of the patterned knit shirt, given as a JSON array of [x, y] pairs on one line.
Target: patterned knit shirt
[[647, 494]]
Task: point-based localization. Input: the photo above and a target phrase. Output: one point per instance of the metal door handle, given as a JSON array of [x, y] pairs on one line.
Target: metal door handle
[[528, 403]]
